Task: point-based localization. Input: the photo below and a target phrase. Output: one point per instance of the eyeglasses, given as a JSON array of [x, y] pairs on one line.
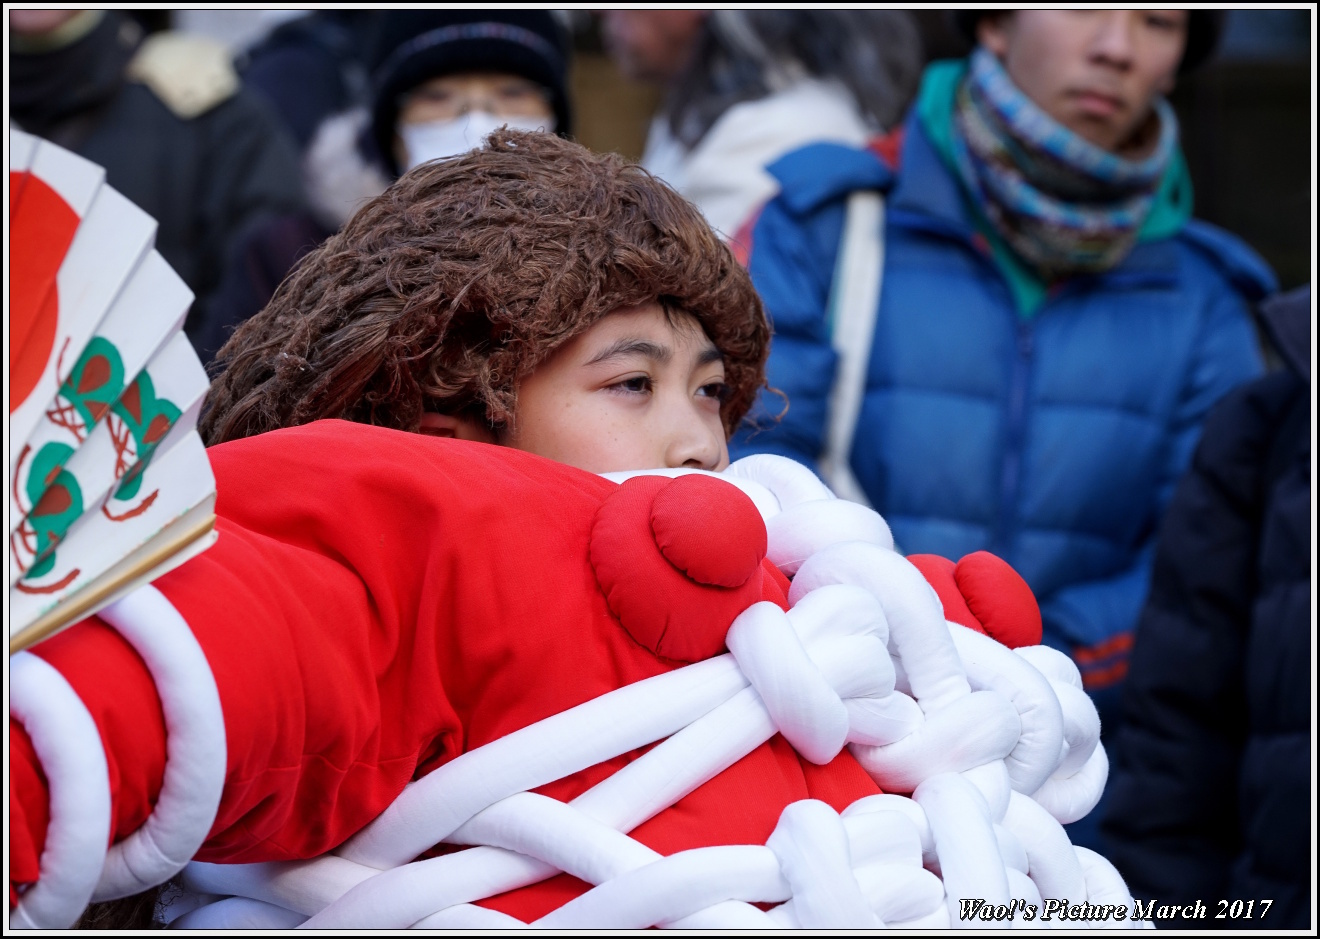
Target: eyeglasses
[[452, 96]]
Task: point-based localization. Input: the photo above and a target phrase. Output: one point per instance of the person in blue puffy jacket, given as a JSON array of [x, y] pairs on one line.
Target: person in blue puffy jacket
[[1052, 325]]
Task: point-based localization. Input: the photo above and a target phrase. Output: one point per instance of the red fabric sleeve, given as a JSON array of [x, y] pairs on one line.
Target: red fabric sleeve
[[127, 715], [360, 612]]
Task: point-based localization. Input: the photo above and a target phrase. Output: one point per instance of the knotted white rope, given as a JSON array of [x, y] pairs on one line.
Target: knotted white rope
[[863, 657], [988, 741]]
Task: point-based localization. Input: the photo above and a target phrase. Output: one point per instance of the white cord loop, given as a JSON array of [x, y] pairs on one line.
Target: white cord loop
[[68, 745], [195, 746]]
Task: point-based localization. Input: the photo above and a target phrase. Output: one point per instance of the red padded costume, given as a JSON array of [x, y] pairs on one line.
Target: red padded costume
[[379, 602]]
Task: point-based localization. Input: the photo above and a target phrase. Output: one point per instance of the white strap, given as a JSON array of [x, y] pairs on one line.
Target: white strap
[[196, 751], [66, 741], [854, 299]]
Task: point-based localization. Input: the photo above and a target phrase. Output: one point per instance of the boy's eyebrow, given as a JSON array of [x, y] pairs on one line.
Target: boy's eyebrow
[[625, 347], [655, 351]]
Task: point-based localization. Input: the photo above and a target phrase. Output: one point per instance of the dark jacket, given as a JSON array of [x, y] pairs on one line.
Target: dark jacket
[[312, 67], [1211, 788], [205, 177], [341, 172]]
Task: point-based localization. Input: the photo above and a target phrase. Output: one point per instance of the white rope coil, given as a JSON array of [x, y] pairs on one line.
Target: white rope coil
[[981, 729], [68, 745], [195, 746], [70, 750]]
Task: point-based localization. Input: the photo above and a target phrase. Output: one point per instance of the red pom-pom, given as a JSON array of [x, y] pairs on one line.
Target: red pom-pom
[[705, 533], [984, 593], [1000, 599], [678, 560]]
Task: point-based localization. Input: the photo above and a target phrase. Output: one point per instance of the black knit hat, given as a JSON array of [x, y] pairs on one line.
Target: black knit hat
[[1204, 27], [414, 46]]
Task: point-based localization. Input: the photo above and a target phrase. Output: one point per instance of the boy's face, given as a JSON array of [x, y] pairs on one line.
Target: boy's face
[[639, 390], [1096, 72]]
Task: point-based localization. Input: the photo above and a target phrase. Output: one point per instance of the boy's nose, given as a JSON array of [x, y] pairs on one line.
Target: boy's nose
[[1113, 38], [694, 444]]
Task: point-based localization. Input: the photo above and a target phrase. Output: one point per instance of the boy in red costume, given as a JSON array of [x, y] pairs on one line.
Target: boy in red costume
[[380, 603]]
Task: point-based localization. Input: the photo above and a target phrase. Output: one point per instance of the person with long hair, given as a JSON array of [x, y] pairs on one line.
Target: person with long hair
[[744, 87]]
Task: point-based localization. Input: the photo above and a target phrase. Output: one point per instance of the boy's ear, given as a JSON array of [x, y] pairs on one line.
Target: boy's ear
[[992, 32], [460, 428]]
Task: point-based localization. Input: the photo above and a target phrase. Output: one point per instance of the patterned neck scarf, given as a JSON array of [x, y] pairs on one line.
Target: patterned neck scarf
[[1064, 205]]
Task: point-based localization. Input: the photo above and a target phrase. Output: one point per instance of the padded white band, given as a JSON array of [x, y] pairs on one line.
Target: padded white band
[[68, 745], [195, 746]]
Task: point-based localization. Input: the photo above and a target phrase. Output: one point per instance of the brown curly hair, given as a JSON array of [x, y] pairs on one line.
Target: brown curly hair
[[447, 290]]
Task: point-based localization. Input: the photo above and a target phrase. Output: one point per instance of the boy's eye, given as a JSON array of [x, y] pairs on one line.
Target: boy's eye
[[715, 389], [1164, 21], [638, 384]]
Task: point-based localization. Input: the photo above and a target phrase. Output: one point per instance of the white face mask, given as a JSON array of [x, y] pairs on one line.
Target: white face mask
[[435, 140]]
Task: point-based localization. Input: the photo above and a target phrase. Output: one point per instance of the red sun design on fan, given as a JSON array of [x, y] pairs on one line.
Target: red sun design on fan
[[41, 227]]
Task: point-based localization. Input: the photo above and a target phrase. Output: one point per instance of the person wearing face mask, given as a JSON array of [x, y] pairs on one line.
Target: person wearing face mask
[[1052, 325], [444, 79], [441, 81]]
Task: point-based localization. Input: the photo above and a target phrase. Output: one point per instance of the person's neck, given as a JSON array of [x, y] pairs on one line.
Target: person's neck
[[1143, 141]]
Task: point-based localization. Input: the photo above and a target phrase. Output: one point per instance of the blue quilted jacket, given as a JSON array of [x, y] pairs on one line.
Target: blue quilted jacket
[[1052, 440]]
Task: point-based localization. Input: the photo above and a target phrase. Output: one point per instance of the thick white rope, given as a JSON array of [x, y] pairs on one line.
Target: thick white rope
[[68, 745], [864, 658], [195, 746], [429, 810], [730, 733], [985, 726]]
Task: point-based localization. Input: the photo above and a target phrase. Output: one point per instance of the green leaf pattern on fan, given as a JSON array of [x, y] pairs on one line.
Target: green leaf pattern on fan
[[96, 382], [57, 503], [148, 418], [94, 388]]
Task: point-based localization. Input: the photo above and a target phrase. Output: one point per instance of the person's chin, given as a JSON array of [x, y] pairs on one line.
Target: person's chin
[[1101, 132], [1100, 119]]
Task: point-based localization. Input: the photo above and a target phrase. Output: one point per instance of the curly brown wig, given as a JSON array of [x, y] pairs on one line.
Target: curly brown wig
[[447, 290]]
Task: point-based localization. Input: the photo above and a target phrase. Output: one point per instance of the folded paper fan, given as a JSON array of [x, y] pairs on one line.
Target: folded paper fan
[[109, 483]]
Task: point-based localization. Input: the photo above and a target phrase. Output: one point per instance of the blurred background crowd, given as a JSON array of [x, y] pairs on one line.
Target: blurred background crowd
[[252, 135]]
